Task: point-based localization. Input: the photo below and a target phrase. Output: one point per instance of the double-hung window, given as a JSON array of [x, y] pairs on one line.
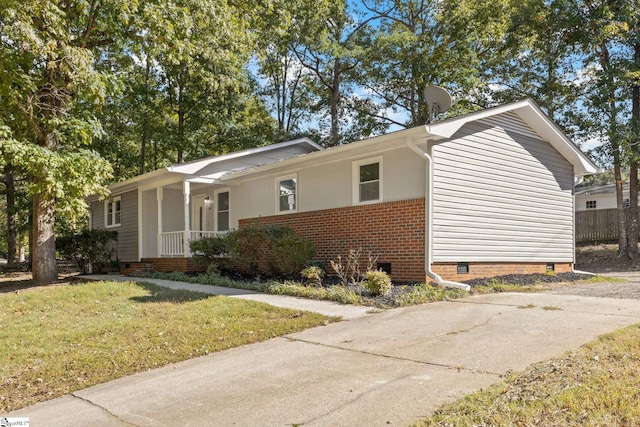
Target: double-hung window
[[367, 181], [287, 192], [222, 210], [113, 212]]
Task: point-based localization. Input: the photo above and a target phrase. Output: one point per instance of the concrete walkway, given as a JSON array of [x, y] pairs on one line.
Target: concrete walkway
[[328, 308], [387, 368]]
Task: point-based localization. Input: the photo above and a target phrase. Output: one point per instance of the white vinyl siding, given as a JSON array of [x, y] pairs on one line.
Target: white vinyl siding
[[501, 194]]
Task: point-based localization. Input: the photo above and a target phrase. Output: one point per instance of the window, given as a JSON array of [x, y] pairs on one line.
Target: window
[[287, 193], [625, 203], [222, 211], [367, 176], [591, 204], [113, 212]]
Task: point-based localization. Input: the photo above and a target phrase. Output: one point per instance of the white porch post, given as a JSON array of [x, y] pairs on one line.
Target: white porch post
[[160, 196], [186, 190]]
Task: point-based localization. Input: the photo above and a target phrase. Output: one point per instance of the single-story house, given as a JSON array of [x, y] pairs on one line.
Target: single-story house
[[603, 196], [483, 194]]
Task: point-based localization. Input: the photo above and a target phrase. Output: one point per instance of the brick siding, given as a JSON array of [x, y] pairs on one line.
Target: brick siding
[[162, 264], [393, 231], [449, 270]]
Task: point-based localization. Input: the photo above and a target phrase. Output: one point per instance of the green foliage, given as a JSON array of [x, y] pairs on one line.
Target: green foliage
[[333, 293], [290, 253], [424, 293], [89, 247], [208, 250], [313, 274], [377, 282], [268, 250]]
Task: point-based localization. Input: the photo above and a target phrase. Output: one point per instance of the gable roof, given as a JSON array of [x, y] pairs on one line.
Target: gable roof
[[531, 114], [527, 110]]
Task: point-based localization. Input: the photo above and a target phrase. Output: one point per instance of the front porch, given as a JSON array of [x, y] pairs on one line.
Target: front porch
[[172, 243], [173, 215]]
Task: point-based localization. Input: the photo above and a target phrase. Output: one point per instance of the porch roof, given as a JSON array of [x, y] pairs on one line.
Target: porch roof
[[212, 168]]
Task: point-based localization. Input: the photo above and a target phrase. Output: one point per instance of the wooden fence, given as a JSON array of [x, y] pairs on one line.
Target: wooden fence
[[598, 225]]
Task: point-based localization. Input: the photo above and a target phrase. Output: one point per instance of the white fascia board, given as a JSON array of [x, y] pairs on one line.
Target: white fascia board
[[192, 168], [357, 148], [549, 131]]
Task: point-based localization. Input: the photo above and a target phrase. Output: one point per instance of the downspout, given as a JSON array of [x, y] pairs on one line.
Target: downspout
[[428, 223]]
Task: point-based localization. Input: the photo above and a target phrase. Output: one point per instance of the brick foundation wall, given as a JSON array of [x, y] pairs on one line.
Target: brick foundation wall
[[162, 264], [449, 271], [394, 231]]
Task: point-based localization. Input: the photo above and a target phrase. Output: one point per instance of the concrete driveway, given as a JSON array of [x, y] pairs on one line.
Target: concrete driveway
[[387, 368]]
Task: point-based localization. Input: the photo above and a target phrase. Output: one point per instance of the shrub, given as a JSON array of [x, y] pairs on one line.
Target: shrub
[[90, 247], [313, 274], [350, 270], [378, 282], [208, 249], [289, 254], [261, 250]]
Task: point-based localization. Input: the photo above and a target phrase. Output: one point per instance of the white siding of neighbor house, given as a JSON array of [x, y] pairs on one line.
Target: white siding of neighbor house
[[128, 230], [501, 194], [328, 185]]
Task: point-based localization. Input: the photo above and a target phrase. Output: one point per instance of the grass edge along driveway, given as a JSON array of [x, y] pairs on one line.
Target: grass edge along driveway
[[64, 338]]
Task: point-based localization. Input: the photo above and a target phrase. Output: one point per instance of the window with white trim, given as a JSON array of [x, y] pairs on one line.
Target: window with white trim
[[113, 212], [222, 210], [287, 190], [591, 204], [367, 180]]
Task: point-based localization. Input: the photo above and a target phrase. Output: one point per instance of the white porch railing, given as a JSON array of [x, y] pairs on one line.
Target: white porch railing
[[197, 235], [172, 242]]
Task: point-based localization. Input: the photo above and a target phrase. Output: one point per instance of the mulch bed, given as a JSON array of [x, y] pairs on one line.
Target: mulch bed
[[528, 279]]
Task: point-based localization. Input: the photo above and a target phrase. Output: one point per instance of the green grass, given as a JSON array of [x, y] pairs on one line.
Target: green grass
[[62, 338], [595, 385], [496, 286]]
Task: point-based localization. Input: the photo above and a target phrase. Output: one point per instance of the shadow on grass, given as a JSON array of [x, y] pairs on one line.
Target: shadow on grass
[[163, 294]]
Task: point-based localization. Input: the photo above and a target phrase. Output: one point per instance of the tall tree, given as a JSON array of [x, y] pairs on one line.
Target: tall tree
[[431, 42], [334, 50], [49, 82]]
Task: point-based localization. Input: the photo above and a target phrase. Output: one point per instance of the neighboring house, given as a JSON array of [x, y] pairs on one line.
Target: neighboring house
[[484, 194], [600, 197]]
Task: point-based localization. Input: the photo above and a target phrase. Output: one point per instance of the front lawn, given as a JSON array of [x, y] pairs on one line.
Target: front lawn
[[595, 385], [66, 337]]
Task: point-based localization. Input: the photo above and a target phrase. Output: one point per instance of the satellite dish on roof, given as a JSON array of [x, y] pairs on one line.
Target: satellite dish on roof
[[438, 101]]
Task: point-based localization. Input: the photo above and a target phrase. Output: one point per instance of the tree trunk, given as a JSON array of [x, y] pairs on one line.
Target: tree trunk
[[43, 252], [12, 232], [633, 165], [335, 101], [145, 118]]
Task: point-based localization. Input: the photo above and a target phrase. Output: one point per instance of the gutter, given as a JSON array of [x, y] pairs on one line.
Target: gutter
[[428, 224]]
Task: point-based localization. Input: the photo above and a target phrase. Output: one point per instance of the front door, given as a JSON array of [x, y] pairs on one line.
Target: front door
[[199, 213]]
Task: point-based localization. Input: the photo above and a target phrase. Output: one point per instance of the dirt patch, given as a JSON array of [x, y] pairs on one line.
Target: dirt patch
[[602, 258], [21, 280]]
